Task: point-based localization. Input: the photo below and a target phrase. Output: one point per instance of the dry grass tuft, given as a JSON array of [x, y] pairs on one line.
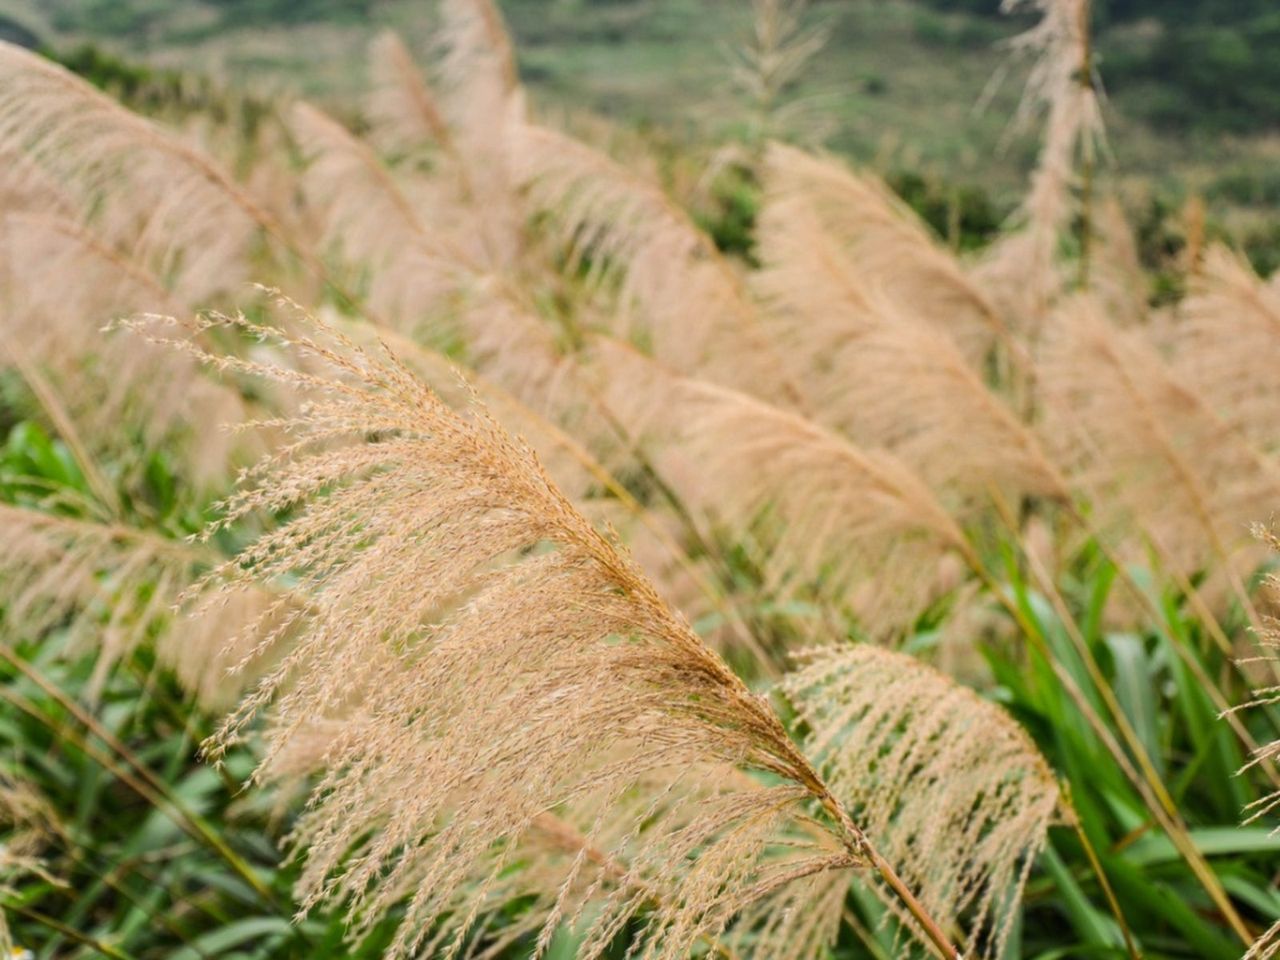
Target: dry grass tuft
[[947, 785], [675, 294], [1269, 643], [820, 216], [110, 390], [140, 187], [26, 825], [1153, 459], [854, 526], [1227, 329], [489, 658], [110, 587]]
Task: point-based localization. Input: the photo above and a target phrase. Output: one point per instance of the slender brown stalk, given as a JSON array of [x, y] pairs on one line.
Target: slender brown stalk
[[1150, 786], [1073, 817]]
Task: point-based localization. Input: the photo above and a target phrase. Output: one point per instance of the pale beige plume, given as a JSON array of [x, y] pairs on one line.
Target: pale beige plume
[[110, 389], [1154, 461], [1226, 331], [1022, 269], [110, 588], [951, 788], [854, 526], [27, 824], [491, 658], [877, 244], [677, 296], [169, 205], [882, 375]]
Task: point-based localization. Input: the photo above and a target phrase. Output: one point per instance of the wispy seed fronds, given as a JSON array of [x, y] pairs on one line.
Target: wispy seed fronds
[[111, 588], [1152, 457], [1227, 330], [403, 110], [677, 295], [874, 241], [141, 187], [1268, 640], [1266, 947], [364, 213], [882, 375], [27, 823], [952, 790], [854, 525], [490, 657], [113, 389]]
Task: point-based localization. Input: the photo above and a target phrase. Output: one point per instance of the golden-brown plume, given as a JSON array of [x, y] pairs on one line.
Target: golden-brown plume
[[1151, 457], [142, 188], [110, 587], [491, 658], [108, 390], [1229, 327], [364, 214], [880, 374], [950, 788], [678, 297], [1267, 946], [27, 822], [1022, 269], [403, 111], [876, 244], [855, 526], [765, 68]]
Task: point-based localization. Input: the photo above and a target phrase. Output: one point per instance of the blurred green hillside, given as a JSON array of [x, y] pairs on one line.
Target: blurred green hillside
[[1193, 85]]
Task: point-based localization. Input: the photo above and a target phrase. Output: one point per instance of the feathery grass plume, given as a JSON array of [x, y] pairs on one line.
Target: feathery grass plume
[[469, 185], [1116, 276], [655, 534], [25, 187], [109, 587], [112, 390], [1268, 640], [364, 213], [678, 296], [26, 825], [853, 526], [403, 112], [1022, 270], [571, 465], [881, 375], [1267, 946], [407, 117], [872, 240], [479, 54], [492, 657], [482, 98], [1226, 331], [765, 68], [948, 786], [143, 189], [1153, 459], [434, 284]]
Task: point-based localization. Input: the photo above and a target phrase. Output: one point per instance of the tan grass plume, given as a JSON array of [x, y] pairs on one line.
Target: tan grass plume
[[491, 657], [951, 789]]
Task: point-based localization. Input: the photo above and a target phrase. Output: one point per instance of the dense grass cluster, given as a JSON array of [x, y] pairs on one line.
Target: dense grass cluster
[[585, 552]]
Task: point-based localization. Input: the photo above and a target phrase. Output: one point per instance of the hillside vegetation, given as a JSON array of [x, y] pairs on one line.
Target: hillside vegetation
[[440, 523], [1193, 101]]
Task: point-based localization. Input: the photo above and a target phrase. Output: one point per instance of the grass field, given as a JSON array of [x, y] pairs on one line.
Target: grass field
[[900, 86], [439, 523]]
